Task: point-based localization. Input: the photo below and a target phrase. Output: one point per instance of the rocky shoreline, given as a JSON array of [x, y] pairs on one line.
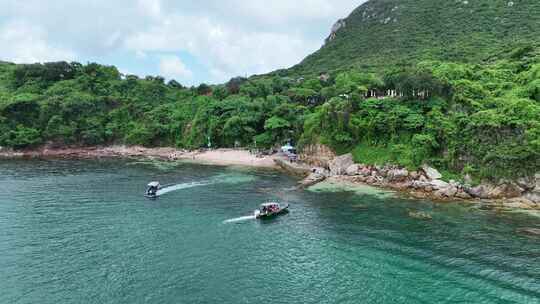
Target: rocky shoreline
[[427, 182]]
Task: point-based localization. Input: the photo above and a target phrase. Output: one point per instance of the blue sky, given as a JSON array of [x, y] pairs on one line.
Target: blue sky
[[190, 41]]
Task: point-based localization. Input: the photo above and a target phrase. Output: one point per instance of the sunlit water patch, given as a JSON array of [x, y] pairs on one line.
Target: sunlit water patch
[[336, 187]]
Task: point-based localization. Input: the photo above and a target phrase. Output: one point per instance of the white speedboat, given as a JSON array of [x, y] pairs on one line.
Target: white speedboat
[[152, 190]]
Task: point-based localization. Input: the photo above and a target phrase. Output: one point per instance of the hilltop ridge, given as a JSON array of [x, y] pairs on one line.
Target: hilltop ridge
[[380, 33]]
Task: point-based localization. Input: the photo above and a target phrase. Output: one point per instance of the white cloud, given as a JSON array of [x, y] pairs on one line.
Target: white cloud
[[229, 50], [173, 67], [140, 54], [151, 8], [22, 43], [227, 38]]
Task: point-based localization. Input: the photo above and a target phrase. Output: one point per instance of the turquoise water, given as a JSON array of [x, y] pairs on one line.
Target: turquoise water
[[81, 232]]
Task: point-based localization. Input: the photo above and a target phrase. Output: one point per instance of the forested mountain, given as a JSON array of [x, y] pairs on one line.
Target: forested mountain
[[388, 32], [428, 101]]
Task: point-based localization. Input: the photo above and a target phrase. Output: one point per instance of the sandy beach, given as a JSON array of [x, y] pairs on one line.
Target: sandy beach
[[220, 157], [229, 157]]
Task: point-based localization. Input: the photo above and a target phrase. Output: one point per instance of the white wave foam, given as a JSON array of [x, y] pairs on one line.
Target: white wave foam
[[166, 190], [240, 219]]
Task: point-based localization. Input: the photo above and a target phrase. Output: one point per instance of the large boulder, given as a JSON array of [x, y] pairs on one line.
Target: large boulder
[[312, 179], [339, 165], [383, 171], [420, 185], [397, 174], [502, 191], [353, 170], [320, 171], [533, 196], [506, 190], [431, 173], [365, 171], [449, 191], [439, 184], [414, 175], [462, 194], [481, 191], [527, 183]]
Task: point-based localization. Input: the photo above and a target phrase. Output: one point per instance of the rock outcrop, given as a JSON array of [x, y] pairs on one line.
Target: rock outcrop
[[341, 23], [296, 169], [431, 173], [340, 164], [534, 193], [397, 174], [503, 190], [427, 183], [533, 196], [317, 155], [353, 170], [312, 179]]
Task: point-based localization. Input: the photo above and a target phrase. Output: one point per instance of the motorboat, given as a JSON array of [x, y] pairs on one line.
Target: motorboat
[[152, 190], [270, 210]]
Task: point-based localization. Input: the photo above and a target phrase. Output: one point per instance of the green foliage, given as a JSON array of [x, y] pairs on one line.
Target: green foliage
[[354, 82], [483, 120], [21, 137], [396, 154], [388, 33], [478, 117]]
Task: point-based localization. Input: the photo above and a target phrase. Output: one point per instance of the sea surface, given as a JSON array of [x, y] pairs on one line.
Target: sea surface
[[82, 232]]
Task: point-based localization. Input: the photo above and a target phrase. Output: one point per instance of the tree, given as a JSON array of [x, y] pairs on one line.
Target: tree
[[175, 84], [22, 109], [220, 92], [22, 137], [233, 85], [278, 128], [204, 89]]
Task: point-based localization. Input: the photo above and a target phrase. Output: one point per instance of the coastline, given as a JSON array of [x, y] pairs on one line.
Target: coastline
[[425, 183], [502, 204], [218, 157], [340, 171]]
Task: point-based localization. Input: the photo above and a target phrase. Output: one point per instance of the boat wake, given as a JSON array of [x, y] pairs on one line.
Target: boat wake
[[172, 188], [219, 179], [240, 219]]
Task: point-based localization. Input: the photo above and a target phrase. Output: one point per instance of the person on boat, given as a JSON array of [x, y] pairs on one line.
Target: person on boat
[[152, 190]]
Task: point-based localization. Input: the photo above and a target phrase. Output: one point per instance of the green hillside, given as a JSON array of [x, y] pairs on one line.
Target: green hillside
[[381, 33], [451, 84]]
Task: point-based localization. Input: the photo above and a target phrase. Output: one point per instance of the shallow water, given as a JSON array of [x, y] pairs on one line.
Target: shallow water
[[82, 232]]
